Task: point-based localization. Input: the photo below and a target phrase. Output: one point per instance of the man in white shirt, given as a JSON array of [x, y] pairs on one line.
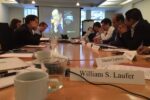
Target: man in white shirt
[[106, 31], [41, 28]]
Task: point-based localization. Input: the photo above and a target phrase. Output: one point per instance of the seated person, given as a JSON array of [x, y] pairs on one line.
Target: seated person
[[41, 28], [106, 32], [143, 50], [96, 28], [85, 36], [138, 32], [24, 34], [117, 19], [14, 24]]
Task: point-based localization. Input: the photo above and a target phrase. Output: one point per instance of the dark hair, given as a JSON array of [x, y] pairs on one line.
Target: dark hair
[[134, 14], [119, 17], [106, 21], [30, 18], [13, 23], [96, 24], [42, 24]]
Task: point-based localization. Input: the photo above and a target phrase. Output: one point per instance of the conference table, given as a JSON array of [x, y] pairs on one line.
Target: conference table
[[81, 56]]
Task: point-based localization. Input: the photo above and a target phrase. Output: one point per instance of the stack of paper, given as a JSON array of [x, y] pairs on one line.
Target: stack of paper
[[20, 55], [12, 63], [35, 46]]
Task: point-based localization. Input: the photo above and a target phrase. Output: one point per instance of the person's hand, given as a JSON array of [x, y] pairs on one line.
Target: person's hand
[[122, 28], [143, 50], [101, 30], [97, 40]]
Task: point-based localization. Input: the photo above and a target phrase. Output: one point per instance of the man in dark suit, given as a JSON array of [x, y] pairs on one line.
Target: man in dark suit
[[24, 35], [117, 20], [96, 27], [139, 30]]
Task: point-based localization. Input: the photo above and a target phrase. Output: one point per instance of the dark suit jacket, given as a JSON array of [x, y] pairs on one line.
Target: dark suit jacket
[[24, 36], [6, 37], [116, 40], [91, 37], [111, 39], [141, 36]]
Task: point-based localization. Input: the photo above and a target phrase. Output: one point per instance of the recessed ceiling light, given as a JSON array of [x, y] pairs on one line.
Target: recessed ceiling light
[[77, 4], [33, 2]]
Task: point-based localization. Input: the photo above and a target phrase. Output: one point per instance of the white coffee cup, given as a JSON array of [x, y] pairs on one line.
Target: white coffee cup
[[31, 86]]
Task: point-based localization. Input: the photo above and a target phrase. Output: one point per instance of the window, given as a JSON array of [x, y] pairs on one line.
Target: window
[[29, 11], [83, 15], [97, 15]]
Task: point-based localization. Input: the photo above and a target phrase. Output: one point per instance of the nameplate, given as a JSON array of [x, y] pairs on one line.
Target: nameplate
[[95, 47], [109, 76], [89, 45], [130, 54], [83, 42], [105, 61]]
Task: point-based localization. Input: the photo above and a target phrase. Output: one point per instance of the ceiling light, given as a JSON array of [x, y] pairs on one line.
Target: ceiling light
[[108, 3], [125, 2], [33, 2], [10, 1], [77, 4]]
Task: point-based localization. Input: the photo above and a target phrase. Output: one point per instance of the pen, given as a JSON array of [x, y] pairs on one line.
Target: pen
[[7, 74]]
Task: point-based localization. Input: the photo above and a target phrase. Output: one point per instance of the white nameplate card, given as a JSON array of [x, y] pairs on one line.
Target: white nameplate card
[[105, 61], [130, 54], [83, 42], [95, 47], [109, 76], [89, 45]]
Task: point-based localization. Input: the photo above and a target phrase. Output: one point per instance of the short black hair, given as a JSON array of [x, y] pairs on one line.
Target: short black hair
[[97, 24], [30, 18], [13, 23], [120, 17], [42, 24], [134, 14], [106, 21]]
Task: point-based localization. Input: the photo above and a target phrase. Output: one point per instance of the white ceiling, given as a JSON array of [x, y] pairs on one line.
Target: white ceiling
[[68, 3], [65, 3]]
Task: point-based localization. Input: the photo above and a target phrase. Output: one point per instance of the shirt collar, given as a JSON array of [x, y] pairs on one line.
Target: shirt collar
[[133, 26]]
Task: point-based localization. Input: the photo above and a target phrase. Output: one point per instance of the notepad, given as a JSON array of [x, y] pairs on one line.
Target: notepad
[[116, 50], [35, 46], [20, 55], [12, 63], [130, 68], [7, 81]]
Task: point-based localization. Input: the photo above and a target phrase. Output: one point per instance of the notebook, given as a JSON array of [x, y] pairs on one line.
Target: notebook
[[12, 63], [20, 55]]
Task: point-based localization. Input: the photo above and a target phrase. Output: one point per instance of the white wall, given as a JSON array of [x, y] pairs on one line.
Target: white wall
[[4, 11], [16, 13], [144, 7], [125, 8], [109, 14]]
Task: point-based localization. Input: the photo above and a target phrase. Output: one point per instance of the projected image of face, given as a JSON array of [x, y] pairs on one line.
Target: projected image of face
[[56, 22]]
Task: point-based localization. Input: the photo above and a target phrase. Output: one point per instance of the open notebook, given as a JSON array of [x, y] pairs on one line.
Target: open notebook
[[20, 55], [11, 63]]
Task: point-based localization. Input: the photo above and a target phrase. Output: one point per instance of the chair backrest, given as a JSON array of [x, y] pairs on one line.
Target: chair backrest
[[64, 36], [6, 38]]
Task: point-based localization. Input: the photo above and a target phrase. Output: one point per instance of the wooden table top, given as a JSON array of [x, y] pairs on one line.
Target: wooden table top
[[75, 90]]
